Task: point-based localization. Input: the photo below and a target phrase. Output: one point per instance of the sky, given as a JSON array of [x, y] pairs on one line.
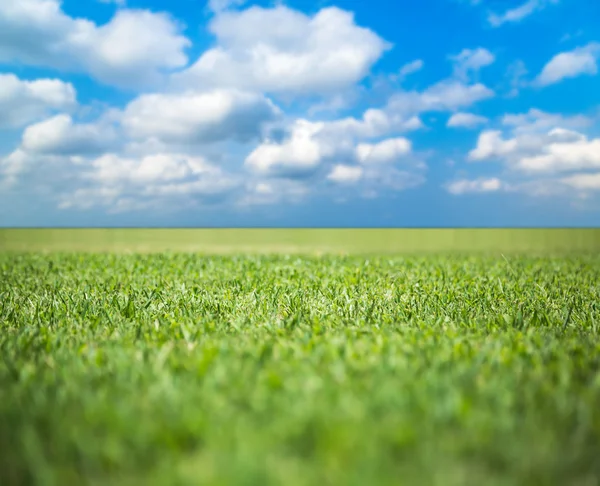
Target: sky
[[299, 113]]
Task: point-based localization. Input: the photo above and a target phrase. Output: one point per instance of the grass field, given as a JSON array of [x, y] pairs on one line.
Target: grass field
[[363, 241], [272, 367]]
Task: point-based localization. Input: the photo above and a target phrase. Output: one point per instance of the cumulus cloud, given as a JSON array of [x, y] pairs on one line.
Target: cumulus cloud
[[519, 13], [10, 167], [310, 144], [198, 116], [577, 62], [59, 135], [541, 155], [565, 152], [22, 102], [300, 153], [280, 50], [583, 181], [480, 185], [466, 120], [384, 152], [45, 172], [122, 183], [374, 123], [114, 169], [535, 121], [539, 143], [117, 182], [471, 61], [447, 95], [345, 174], [132, 49], [491, 144]]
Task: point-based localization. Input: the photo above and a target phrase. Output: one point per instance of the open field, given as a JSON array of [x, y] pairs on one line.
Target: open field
[[354, 241], [299, 369]]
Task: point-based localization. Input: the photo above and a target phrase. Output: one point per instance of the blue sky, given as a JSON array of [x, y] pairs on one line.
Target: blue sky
[[299, 113]]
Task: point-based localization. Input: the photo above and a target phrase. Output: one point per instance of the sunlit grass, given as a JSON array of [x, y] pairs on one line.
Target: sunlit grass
[[175, 368]]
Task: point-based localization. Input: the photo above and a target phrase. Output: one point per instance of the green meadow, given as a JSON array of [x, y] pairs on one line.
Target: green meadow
[[300, 357], [361, 241]]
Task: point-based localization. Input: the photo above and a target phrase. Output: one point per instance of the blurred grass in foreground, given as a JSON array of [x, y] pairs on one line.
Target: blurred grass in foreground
[[264, 370], [303, 240]]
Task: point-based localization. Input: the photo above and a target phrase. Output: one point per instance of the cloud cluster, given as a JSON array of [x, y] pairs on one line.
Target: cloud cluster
[[22, 102], [121, 184], [198, 117], [60, 135], [132, 49], [283, 51], [539, 142], [231, 125], [541, 153]]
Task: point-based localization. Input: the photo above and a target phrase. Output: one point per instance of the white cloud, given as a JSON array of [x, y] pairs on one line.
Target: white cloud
[[198, 117], [132, 49], [22, 102], [519, 13], [44, 171], [540, 143], [463, 186], [583, 181], [123, 184], [577, 62], [567, 152], [466, 120], [374, 123], [471, 61], [345, 174], [384, 152], [491, 144], [10, 168], [447, 95], [300, 153], [280, 50], [310, 144], [60, 136], [114, 169], [535, 121], [411, 68]]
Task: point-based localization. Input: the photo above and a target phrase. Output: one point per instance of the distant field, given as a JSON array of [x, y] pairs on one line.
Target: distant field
[[303, 240]]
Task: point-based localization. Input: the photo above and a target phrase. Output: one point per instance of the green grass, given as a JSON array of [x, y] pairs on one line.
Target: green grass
[[373, 241], [179, 368]]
